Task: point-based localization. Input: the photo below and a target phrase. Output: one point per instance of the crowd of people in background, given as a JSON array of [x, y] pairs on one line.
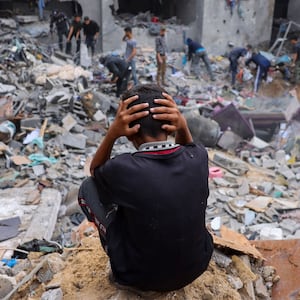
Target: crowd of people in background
[[123, 68]]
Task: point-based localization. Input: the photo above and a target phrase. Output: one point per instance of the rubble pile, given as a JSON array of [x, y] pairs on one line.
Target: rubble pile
[[53, 115]]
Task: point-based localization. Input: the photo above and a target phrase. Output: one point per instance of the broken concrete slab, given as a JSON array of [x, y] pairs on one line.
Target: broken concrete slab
[[44, 220], [233, 165], [77, 141], [68, 122]]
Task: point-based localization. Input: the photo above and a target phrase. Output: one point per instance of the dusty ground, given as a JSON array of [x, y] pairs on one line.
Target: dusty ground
[[85, 277]]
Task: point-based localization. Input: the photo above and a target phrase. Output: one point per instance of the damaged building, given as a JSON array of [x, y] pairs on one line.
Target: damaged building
[[215, 23]]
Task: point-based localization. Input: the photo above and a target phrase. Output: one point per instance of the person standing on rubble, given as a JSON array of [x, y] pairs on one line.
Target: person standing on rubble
[[196, 52], [161, 57], [74, 31], [62, 26], [120, 70], [234, 56], [91, 32], [130, 52], [149, 206], [296, 58], [263, 65]]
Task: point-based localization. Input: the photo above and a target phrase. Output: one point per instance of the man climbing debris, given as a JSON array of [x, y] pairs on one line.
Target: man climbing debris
[[62, 26], [196, 52], [149, 206]]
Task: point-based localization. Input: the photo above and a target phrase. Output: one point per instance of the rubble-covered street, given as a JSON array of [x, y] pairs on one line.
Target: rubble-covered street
[[53, 115]]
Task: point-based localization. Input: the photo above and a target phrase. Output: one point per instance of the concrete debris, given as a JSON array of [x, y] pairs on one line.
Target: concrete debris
[[54, 112]]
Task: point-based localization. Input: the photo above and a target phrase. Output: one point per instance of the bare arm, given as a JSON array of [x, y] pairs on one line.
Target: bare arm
[[120, 127], [168, 111], [132, 55], [70, 33]]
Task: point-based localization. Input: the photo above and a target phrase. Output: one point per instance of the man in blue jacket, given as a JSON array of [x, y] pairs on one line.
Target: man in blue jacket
[[197, 52], [263, 65]]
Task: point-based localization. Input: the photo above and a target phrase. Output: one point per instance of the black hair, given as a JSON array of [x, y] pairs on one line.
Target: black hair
[[128, 29], [293, 38], [147, 93], [86, 18], [249, 47]]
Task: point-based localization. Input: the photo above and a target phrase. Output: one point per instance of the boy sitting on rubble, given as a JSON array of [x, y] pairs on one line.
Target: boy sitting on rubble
[[149, 206]]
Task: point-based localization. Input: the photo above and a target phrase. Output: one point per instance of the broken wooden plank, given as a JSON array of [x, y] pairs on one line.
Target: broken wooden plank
[[235, 241]]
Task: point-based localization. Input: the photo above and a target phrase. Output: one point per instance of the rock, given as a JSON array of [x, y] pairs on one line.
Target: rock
[[6, 285], [6, 88], [286, 172], [55, 294], [221, 259], [244, 188], [68, 122], [38, 170], [268, 273], [260, 289], [216, 223], [203, 130], [270, 233], [77, 141], [229, 140], [235, 282], [34, 122], [99, 116], [280, 157], [267, 162]]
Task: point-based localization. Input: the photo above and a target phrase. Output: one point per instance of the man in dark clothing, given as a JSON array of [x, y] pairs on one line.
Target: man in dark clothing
[[91, 32], [263, 65], [74, 31], [195, 53], [62, 27], [120, 70], [234, 57], [296, 58], [154, 200]]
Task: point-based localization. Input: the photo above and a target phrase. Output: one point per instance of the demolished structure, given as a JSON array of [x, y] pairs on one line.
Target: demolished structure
[[53, 115]]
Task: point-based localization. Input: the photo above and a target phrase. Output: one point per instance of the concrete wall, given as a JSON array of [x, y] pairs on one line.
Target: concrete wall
[[211, 23], [294, 11], [251, 23]]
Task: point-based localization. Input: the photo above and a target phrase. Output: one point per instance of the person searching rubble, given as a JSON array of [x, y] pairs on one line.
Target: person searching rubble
[[74, 31], [263, 66], [62, 26], [234, 57], [120, 70], [296, 58], [149, 206], [196, 52], [91, 33]]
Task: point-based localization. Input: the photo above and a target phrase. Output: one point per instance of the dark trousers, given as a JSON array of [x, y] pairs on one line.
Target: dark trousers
[[102, 215], [261, 73], [196, 63], [90, 43], [122, 83], [69, 45], [61, 34], [233, 69]]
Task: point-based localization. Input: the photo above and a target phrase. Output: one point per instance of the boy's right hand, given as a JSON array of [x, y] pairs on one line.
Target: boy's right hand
[[125, 116]]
